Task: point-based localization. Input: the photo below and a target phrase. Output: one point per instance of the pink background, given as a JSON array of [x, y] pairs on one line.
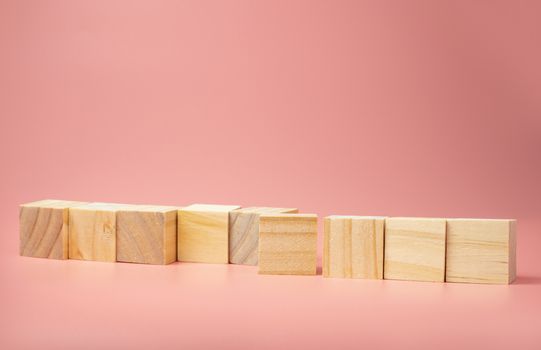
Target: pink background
[[417, 108]]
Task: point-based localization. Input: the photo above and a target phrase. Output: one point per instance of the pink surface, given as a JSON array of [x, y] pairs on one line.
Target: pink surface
[[335, 107]]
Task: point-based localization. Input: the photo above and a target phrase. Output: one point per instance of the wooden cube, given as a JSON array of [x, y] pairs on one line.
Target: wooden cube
[[203, 233], [481, 251], [287, 244], [415, 249], [147, 235], [353, 247], [244, 233], [92, 231], [44, 227]]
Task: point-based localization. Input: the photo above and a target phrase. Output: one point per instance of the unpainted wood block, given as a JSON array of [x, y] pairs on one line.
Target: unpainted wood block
[[92, 231], [287, 244], [353, 247], [481, 251], [147, 235], [203, 233], [244, 233], [415, 249], [44, 227]]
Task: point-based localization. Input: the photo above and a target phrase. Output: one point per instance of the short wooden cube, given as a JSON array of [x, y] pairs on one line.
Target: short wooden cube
[[203, 233], [287, 244], [92, 231], [44, 228], [244, 233], [481, 251], [353, 247], [147, 235], [415, 249]]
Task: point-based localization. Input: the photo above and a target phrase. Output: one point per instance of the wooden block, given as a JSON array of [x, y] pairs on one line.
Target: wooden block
[[92, 231], [244, 233], [481, 251], [44, 227], [414, 249], [147, 235], [287, 244], [203, 233], [353, 247]]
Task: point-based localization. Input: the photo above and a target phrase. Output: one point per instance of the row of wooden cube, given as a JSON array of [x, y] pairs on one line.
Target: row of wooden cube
[[420, 249]]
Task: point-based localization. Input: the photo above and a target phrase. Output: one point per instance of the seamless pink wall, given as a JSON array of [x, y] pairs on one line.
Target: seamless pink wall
[[428, 108]]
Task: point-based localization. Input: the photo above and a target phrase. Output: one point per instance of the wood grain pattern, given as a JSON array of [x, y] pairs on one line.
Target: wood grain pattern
[[287, 244], [147, 235], [244, 233], [353, 247], [44, 227], [203, 233], [415, 249], [481, 251], [92, 231]]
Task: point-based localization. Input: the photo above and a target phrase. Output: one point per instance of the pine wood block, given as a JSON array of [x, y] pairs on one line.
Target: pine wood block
[[287, 244], [244, 233], [481, 251], [147, 235], [415, 249], [353, 247], [203, 233], [44, 227], [92, 231]]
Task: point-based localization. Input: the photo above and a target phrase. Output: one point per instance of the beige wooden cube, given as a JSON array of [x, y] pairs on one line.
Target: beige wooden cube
[[287, 244], [415, 249], [244, 233], [481, 251], [203, 233], [353, 247], [44, 228], [147, 235], [92, 231]]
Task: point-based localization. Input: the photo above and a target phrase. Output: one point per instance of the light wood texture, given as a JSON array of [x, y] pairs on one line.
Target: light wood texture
[[481, 251], [203, 233], [44, 227], [92, 231], [415, 249], [244, 233], [147, 235], [353, 247], [287, 244]]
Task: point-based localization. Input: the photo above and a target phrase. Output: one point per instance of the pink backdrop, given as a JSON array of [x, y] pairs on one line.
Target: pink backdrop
[[410, 108]]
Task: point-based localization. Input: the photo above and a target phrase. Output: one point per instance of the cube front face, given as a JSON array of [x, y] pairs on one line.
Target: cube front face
[[92, 234], [415, 249], [353, 247], [203, 235], [481, 251], [244, 233], [288, 244], [146, 237]]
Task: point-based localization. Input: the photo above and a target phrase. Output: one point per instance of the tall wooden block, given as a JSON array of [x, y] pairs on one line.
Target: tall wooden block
[[147, 235], [244, 233], [415, 249], [481, 251], [44, 227], [353, 247], [287, 244], [92, 231], [203, 233]]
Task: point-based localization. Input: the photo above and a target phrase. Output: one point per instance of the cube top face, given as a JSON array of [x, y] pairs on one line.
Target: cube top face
[[244, 233], [356, 217], [415, 249], [52, 204], [288, 244], [99, 206], [203, 233], [481, 251], [353, 247]]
